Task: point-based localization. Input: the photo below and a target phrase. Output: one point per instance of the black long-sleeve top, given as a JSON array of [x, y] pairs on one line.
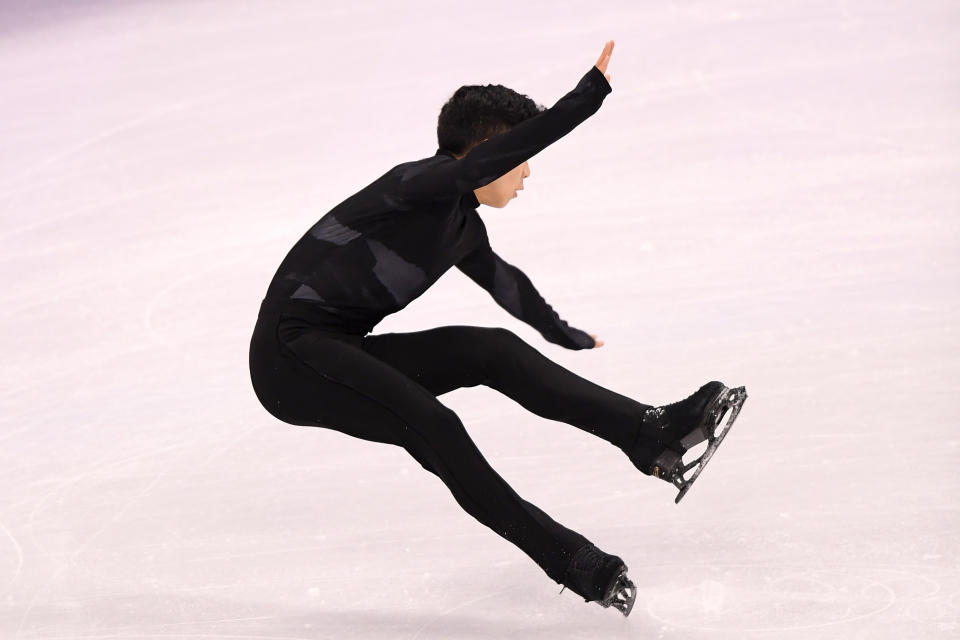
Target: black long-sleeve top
[[382, 247]]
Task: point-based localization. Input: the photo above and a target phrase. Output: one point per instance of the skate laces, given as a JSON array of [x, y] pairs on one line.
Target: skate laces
[[682, 406], [586, 567], [661, 421]]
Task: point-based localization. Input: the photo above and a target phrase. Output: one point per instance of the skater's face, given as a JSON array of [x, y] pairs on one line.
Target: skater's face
[[501, 191]]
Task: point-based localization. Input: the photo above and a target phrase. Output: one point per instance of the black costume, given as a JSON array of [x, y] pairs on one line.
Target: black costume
[[313, 363]]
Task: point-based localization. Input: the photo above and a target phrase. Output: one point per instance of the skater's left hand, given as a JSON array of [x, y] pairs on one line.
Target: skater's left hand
[[597, 343], [604, 59]]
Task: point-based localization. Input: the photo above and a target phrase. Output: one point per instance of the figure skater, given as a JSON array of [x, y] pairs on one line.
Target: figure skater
[[314, 362]]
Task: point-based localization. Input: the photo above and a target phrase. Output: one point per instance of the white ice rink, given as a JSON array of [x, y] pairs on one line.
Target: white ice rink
[[770, 196]]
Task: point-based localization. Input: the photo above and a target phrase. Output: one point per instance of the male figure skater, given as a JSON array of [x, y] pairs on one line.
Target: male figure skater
[[313, 361]]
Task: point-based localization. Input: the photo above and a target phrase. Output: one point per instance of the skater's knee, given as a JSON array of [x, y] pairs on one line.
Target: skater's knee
[[486, 347], [504, 341], [504, 335], [436, 424], [423, 460], [491, 348], [507, 351], [486, 339]]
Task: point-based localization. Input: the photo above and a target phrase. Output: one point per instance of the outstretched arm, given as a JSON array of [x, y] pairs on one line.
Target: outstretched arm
[[448, 177], [513, 291]]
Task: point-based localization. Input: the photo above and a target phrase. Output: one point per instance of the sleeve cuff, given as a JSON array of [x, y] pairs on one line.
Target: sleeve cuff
[[602, 79]]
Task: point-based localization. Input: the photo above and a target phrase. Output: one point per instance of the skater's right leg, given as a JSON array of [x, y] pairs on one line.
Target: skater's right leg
[[321, 379], [457, 356]]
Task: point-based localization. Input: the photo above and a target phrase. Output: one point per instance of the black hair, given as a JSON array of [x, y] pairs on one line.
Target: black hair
[[475, 112]]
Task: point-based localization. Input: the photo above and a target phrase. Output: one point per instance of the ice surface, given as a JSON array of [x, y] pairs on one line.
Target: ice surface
[[769, 197]]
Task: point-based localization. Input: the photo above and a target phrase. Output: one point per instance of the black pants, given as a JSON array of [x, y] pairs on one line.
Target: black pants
[[384, 388]]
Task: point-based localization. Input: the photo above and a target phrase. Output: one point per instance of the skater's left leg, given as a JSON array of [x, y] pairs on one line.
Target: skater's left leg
[[452, 357]]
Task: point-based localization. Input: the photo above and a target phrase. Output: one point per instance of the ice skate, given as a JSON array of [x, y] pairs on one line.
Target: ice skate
[[677, 427], [622, 594], [600, 577]]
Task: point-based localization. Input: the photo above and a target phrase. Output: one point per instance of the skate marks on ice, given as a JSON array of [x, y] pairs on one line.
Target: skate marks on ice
[[765, 598], [66, 560], [6, 587], [61, 162], [430, 628], [529, 611], [744, 600]]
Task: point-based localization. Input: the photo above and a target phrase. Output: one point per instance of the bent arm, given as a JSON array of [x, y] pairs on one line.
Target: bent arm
[[513, 291], [487, 161]]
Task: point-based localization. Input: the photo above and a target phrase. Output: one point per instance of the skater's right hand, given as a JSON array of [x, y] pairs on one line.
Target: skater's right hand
[[604, 59], [596, 343]]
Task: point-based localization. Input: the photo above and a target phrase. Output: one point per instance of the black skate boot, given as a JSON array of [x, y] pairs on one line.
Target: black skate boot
[[685, 424], [654, 459], [600, 577], [668, 432]]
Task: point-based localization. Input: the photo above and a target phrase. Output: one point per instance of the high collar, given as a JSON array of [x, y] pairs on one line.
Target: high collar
[[470, 198]]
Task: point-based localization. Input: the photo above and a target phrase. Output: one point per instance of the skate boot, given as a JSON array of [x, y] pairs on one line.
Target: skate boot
[[656, 460], [668, 432], [600, 577]]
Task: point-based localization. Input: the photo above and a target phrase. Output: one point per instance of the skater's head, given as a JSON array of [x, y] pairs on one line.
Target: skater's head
[[476, 113]]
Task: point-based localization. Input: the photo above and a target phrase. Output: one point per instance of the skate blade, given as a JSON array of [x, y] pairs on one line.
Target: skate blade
[[729, 400], [624, 595]]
